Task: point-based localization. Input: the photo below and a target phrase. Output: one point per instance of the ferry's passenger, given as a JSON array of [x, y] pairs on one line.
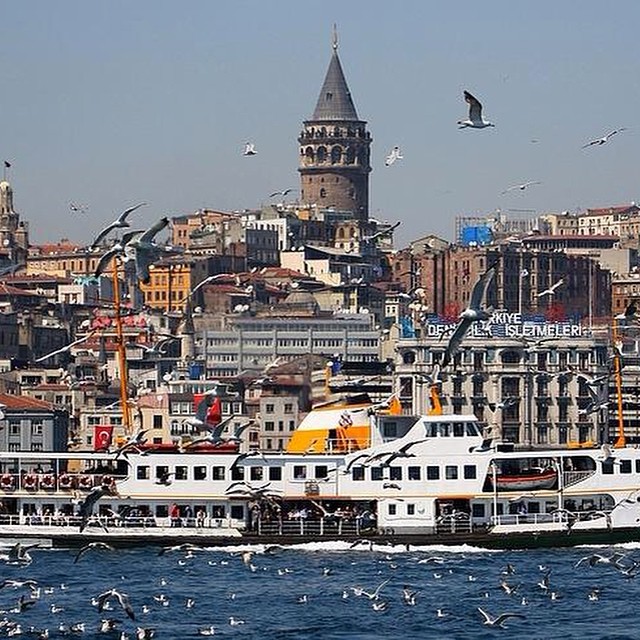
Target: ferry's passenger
[[201, 516]]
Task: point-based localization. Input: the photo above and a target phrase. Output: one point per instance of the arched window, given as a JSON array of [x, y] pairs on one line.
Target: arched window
[[336, 154], [350, 155], [408, 357], [321, 154], [340, 232], [323, 193], [309, 154]]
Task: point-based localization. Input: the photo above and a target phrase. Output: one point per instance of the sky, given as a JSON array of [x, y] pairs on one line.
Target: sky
[[106, 104]]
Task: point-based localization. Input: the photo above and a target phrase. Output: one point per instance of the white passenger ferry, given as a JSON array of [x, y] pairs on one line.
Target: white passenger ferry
[[350, 472]]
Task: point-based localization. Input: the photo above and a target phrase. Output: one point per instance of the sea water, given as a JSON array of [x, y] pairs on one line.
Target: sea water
[[266, 591]]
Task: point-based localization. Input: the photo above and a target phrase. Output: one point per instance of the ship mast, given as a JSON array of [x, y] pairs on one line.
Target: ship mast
[[122, 356], [621, 440]]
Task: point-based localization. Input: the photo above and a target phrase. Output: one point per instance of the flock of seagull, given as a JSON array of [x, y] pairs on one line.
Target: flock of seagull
[[495, 594]]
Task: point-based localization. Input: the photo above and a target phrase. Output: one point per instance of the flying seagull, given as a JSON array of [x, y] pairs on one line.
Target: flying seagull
[[249, 149], [394, 154], [66, 348], [93, 545], [630, 312], [382, 233], [86, 506], [280, 193], [475, 121], [604, 139], [116, 250], [473, 313], [120, 223], [122, 598], [521, 187], [551, 290], [490, 621]]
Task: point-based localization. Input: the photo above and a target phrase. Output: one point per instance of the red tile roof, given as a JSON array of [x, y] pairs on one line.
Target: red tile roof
[[612, 210], [24, 403]]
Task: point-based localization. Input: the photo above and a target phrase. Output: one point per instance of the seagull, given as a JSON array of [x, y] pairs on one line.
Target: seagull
[[374, 594], [596, 558], [200, 284], [120, 223], [394, 154], [409, 596], [475, 121], [159, 348], [92, 545], [382, 233], [280, 193], [234, 622], [503, 404], [66, 348], [521, 187], [604, 139], [207, 631], [509, 589], [86, 506], [165, 478], [499, 621], [630, 312], [116, 250], [123, 600], [78, 208], [249, 149], [473, 313], [551, 290]]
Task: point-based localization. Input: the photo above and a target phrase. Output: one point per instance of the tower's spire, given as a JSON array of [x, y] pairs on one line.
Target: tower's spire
[[334, 42]]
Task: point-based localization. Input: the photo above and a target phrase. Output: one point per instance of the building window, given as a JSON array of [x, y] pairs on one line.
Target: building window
[[37, 428], [36, 446], [269, 425], [200, 473], [268, 408], [157, 421]]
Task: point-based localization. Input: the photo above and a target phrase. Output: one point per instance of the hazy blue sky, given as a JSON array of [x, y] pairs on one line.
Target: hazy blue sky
[[110, 103]]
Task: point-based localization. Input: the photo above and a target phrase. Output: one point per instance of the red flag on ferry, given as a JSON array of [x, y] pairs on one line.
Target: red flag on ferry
[[102, 434], [208, 408], [214, 414]]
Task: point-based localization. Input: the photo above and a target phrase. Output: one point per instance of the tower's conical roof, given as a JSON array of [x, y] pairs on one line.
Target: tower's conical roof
[[334, 102]]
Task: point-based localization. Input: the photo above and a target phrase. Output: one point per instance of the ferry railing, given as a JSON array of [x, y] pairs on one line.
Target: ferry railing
[[455, 523], [511, 519], [303, 527]]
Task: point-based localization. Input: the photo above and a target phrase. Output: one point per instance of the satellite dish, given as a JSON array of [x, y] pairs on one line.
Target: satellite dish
[[6, 242], [167, 377]]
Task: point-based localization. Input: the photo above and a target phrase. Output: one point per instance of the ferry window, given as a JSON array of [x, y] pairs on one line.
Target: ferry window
[[433, 473], [162, 472], [275, 473], [458, 429], [451, 472], [395, 473], [413, 473], [392, 509], [625, 466], [162, 511], [390, 430], [469, 471], [431, 430], [237, 473], [444, 429], [217, 473], [237, 512], [477, 510], [637, 466], [255, 473], [142, 473], [533, 507], [607, 467], [357, 473], [376, 473], [321, 471], [181, 473], [217, 511], [472, 429], [299, 472], [411, 509], [200, 473]]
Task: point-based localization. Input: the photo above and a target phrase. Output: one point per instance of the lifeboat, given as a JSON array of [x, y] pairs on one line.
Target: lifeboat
[[526, 480]]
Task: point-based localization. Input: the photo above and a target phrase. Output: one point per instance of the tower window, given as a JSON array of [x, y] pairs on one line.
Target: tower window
[[323, 193], [329, 96]]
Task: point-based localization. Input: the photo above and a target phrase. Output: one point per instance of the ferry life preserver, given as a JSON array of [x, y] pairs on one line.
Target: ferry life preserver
[[107, 481], [29, 482], [345, 420], [48, 482], [85, 482], [65, 481], [7, 482]]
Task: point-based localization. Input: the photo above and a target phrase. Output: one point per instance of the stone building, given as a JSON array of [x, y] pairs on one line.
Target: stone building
[[335, 149]]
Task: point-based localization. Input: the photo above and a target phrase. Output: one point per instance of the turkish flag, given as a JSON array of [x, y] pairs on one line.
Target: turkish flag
[[208, 408], [102, 434]]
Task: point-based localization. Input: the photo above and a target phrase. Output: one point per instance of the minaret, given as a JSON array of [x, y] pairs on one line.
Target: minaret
[[186, 333], [335, 149]]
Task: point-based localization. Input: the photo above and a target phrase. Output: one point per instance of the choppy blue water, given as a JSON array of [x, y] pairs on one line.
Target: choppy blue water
[[266, 597]]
